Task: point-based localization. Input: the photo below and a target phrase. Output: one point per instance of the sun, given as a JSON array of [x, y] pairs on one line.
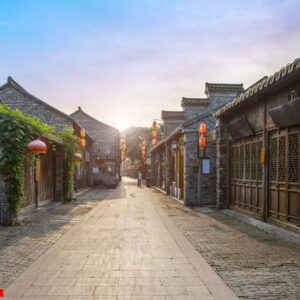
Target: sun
[[123, 122]]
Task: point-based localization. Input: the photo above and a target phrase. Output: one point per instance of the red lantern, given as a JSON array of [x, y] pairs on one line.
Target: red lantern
[[82, 133], [77, 157], [202, 142], [82, 143], [37, 146], [203, 128]]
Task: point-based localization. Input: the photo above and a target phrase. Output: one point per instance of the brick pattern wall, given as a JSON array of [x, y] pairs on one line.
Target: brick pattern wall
[[190, 172], [106, 140], [222, 157], [17, 100]]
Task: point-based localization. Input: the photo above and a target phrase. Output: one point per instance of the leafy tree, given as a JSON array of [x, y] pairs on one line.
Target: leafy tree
[[134, 136]]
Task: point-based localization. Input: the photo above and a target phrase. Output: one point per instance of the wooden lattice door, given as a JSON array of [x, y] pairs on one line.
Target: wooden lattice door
[[284, 177], [246, 175]]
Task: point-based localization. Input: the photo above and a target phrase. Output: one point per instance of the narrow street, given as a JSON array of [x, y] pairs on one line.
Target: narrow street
[[126, 248], [136, 243]]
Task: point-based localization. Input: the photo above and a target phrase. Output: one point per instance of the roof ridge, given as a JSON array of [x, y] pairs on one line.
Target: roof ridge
[[80, 110], [16, 85], [261, 85]]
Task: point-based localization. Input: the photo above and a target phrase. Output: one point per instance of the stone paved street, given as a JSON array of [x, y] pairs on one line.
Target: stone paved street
[[40, 229], [125, 248], [255, 264], [140, 244]]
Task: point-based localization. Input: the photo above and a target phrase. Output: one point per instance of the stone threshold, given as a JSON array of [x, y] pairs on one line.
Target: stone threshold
[[82, 191], [159, 189], [282, 233]]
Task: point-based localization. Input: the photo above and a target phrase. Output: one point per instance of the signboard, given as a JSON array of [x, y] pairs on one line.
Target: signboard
[[95, 170], [206, 166]]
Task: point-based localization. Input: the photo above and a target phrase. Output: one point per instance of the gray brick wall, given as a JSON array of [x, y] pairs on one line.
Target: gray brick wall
[[222, 157], [106, 141], [18, 100]]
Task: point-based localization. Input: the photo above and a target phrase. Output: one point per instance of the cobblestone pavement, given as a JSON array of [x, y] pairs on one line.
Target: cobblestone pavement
[[125, 248], [21, 245], [254, 264]]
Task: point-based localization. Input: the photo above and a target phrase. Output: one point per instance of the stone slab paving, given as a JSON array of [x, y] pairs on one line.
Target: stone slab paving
[[255, 264], [126, 248], [21, 245]]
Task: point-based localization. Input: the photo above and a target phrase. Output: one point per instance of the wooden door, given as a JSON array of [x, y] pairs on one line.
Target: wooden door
[[46, 180], [284, 182], [29, 183], [246, 175]]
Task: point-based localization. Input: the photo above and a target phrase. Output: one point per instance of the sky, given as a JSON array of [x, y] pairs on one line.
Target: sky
[[123, 61]]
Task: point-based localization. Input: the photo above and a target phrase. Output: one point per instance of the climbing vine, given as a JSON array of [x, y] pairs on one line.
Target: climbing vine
[[16, 130], [71, 145]]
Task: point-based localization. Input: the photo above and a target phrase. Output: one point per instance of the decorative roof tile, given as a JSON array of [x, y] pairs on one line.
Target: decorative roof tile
[[223, 87], [194, 101], [172, 114]]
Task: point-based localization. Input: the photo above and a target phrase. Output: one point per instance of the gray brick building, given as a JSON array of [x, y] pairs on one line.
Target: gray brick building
[[50, 186], [105, 155], [258, 149], [176, 165]]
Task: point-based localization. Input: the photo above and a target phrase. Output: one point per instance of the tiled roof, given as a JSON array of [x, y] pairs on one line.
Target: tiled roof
[[261, 85], [11, 82], [223, 87], [172, 114], [194, 101], [80, 111]]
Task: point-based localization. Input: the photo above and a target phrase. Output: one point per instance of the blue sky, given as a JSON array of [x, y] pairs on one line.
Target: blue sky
[[125, 61]]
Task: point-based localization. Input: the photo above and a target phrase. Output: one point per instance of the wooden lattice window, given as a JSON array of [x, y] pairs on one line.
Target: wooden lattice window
[[254, 161], [293, 148], [247, 161], [242, 161], [273, 159], [259, 165], [281, 158], [232, 162]]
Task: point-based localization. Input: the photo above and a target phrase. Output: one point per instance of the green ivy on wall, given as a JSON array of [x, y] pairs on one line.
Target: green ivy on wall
[[71, 145], [16, 131]]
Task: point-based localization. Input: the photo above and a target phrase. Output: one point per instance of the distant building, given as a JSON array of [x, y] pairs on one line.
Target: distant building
[[176, 165], [258, 149], [50, 186], [105, 156]]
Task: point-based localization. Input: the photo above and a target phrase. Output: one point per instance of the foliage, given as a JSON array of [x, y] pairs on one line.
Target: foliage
[[134, 136], [16, 130], [71, 145]]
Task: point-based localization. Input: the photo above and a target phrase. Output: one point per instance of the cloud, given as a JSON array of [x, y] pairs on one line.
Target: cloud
[[137, 58]]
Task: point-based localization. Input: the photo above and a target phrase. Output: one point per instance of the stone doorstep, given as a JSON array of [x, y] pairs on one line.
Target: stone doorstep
[[44, 206], [280, 232], [26, 211], [82, 191], [159, 189]]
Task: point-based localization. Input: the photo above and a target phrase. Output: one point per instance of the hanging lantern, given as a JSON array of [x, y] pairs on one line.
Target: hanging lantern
[[82, 133], [77, 157], [37, 146], [203, 128], [202, 142], [154, 141]]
